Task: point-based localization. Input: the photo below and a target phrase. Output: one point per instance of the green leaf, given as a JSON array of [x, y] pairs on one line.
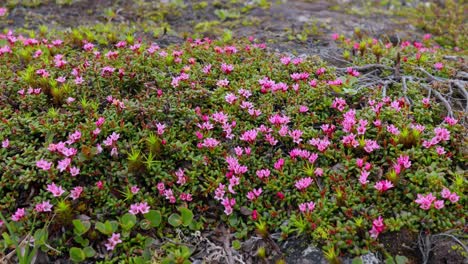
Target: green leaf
[[401, 259], [175, 220], [77, 254], [89, 252], [154, 217], [185, 252], [40, 237], [236, 244], [107, 228], [357, 260], [82, 241], [128, 221], [81, 227], [187, 216]]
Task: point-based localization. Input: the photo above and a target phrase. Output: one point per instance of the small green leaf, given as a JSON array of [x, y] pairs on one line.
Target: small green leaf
[[357, 260], [175, 220], [236, 244], [401, 259], [40, 237], [128, 221], [81, 227], [187, 216], [107, 228], [154, 217], [89, 252], [77, 254]]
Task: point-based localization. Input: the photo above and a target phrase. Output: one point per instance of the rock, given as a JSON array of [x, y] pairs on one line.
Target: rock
[[370, 258], [299, 252]]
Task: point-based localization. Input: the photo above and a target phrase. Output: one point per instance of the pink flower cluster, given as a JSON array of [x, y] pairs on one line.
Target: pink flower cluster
[[425, 201], [113, 241], [303, 183], [383, 185], [18, 215], [137, 208], [307, 207], [254, 194], [378, 227], [43, 207]]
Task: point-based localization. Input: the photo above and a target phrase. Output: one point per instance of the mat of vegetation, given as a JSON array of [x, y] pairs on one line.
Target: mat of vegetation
[[118, 150]]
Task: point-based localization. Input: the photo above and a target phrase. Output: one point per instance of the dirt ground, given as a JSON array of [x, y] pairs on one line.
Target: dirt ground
[[278, 25]]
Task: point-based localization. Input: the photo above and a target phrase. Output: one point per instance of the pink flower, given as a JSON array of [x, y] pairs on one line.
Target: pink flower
[[75, 193], [303, 183], [3, 11], [134, 189], [454, 197], [249, 135], [279, 164], [113, 241], [210, 143], [296, 135], [144, 208], [5, 143], [426, 101], [359, 163], [74, 171], [160, 128], [230, 98], [439, 204], [279, 120], [262, 174], [404, 161], [339, 103], [393, 130], [220, 191], [222, 83], [285, 60], [63, 164], [425, 202], [56, 191], [451, 121], [378, 227], [440, 150], [227, 68], [254, 194], [445, 193], [137, 208], [439, 66], [18, 215], [43, 207], [318, 172], [320, 71], [363, 177], [44, 165], [307, 207], [100, 185], [371, 145], [383, 185]]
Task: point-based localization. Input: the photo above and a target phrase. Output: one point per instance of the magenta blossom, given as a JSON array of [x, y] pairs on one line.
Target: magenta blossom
[[384, 185], [56, 191], [378, 227], [18, 215], [137, 208], [44, 165], [425, 201], [307, 207], [43, 207], [75, 193], [113, 241]]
